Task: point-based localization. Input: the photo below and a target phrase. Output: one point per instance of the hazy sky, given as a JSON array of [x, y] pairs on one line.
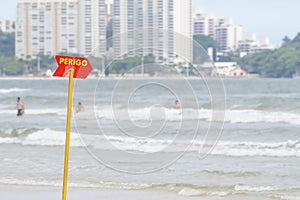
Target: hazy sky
[[273, 18]]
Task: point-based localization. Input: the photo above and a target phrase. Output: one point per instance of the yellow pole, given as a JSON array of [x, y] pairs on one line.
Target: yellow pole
[[68, 127]]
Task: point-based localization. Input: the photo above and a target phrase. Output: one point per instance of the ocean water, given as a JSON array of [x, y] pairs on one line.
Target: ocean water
[[129, 137]]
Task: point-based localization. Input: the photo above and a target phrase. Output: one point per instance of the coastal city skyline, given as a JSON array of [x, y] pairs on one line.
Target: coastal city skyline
[[262, 22], [149, 99], [80, 28]]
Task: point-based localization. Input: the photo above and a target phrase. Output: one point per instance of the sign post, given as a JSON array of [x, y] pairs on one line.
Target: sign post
[[67, 142], [75, 67]]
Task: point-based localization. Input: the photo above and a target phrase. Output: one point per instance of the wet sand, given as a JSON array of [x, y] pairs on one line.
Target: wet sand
[[13, 192]]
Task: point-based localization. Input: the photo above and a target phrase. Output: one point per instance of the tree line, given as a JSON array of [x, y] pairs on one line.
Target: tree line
[[281, 62]]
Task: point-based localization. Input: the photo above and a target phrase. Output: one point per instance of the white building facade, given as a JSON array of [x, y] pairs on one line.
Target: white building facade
[[153, 27], [253, 45], [228, 36], [50, 27], [7, 25], [92, 31], [204, 23], [222, 30], [183, 40]]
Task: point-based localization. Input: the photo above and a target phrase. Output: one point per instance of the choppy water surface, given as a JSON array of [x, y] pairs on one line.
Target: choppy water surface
[[129, 137]]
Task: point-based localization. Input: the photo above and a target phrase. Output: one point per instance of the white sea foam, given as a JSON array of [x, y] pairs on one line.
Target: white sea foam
[[201, 192], [50, 111], [11, 132], [13, 181], [46, 137], [231, 116], [253, 116], [101, 184], [166, 114], [277, 149], [147, 114], [189, 192], [10, 90], [57, 111], [248, 188], [10, 111], [126, 144], [132, 144]]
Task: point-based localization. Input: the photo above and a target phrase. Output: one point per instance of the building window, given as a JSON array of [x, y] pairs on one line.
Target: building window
[[34, 16], [34, 5]]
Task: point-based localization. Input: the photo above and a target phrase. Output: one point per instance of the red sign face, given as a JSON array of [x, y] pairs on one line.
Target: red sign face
[[81, 66]]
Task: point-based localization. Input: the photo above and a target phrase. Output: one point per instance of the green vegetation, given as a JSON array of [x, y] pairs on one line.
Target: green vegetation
[[205, 41], [281, 62], [8, 64], [129, 64], [200, 46], [7, 44]]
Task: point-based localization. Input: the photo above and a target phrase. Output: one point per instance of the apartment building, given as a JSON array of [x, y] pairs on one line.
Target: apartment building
[[228, 36], [223, 30], [253, 45], [7, 25], [158, 27], [92, 27], [50, 27], [204, 23]]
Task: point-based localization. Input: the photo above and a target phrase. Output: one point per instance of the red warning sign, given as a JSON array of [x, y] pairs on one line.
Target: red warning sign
[[80, 65]]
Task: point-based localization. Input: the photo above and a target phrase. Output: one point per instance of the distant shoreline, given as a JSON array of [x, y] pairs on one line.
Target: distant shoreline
[[26, 78], [106, 78], [124, 77]]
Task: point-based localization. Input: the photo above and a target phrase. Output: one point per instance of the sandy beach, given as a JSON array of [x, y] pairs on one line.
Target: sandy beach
[[13, 192]]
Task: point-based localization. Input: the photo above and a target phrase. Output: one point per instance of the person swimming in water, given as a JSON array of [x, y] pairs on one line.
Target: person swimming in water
[[79, 107], [176, 105], [20, 107]]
